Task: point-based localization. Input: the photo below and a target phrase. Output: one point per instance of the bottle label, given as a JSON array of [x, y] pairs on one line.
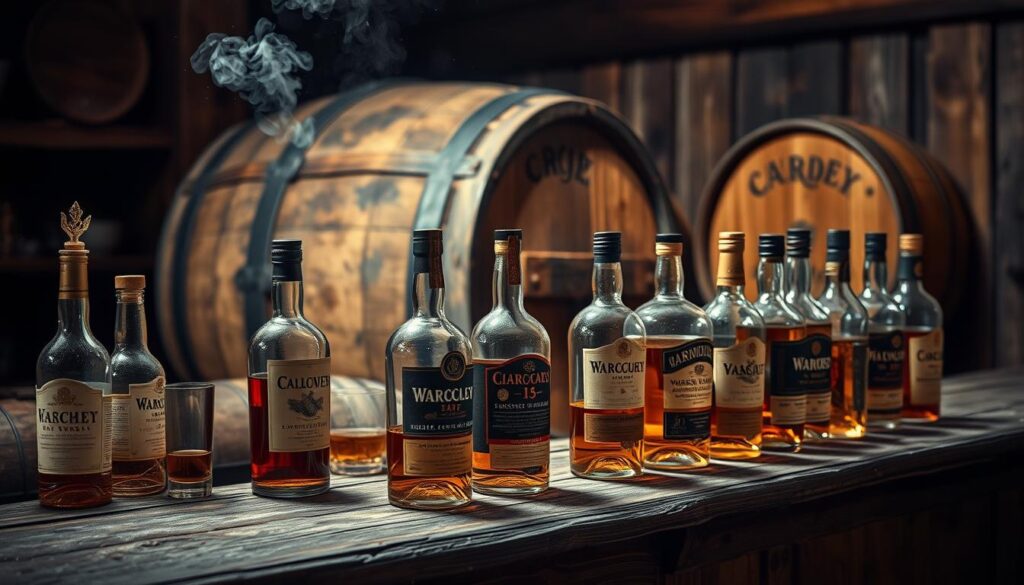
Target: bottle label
[[512, 409], [613, 375], [138, 422], [613, 428], [687, 373], [926, 368], [739, 375], [433, 457], [73, 428], [886, 355], [299, 404], [438, 401], [680, 426], [801, 367], [812, 362], [740, 423]]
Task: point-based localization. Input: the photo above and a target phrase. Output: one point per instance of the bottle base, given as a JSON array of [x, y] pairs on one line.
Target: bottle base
[[672, 460], [139, 492], [781, 446], [611, 468], [884, 425], [493, 490], [734, 449], [817, 433], [291, 491], [495, 484]]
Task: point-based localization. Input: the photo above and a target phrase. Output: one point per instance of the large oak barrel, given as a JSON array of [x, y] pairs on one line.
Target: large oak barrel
[[834, 172]]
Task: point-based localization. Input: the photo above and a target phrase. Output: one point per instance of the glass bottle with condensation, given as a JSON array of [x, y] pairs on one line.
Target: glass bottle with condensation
[[137, 384], [429, 381], [818, 373], [849, 321], [886, 341], [512, 384], [786, 397], [922, 372], [607, 355], [73, 438], [739, 358], [679, 370]]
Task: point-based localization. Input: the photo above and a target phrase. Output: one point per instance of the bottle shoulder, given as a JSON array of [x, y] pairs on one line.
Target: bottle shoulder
[[605, 322], [777, 313], [76, 357], [286, 338], [134, 365], [502, 333], [729, 310], [674, 316], [419, 333], [920, 308]]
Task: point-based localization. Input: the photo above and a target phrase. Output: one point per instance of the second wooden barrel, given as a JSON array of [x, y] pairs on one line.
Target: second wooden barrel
[[834, 172]]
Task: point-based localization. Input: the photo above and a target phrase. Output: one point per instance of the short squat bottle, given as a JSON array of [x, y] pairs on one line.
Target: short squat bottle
[[739, 358], [512, 384], [607, 354], [289, 390], [786, 397], [137, 382], [922, 373], [429, 378], [886, 341], [679, 371]]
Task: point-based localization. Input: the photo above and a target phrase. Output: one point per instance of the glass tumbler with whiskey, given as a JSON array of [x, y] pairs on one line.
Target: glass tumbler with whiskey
[[358, 432], [188, 412]]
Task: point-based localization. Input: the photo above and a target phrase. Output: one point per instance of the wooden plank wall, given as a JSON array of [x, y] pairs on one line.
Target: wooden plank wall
[[956, 88]]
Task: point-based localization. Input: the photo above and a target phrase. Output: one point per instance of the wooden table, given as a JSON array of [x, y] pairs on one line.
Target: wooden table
[[938, 503]]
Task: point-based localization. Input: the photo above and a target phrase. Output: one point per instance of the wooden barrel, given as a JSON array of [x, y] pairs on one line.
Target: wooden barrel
[[388, 158], [834, 172]]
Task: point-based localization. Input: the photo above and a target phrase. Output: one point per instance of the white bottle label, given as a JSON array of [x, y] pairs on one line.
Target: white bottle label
[[613, 375], [138, 422], [73, 434], [739, 374], [299, 404], [926, 368]]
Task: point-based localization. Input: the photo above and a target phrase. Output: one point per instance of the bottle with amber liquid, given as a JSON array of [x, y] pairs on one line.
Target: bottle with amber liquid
[[607, 356], [739, 358], [785, 406], [512, 384], [849, 342], [429, 379], [137, 382], [679, 371], [73, 438], [886, 341], [922, 372], [289, 390]]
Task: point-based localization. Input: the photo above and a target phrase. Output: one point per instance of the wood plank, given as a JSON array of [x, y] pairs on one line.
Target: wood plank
[[815, 76], [647, 103], [603, 82], [761, 88], [879, 81]]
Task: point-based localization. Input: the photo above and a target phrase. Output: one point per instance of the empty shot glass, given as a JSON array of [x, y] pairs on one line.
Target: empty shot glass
[[189, 419], [358, 433]]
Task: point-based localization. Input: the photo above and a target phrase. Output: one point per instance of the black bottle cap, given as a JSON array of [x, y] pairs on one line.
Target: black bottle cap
[[502, 235], [838, 243], [771, 245], [875, 244], [798, 242], [669, 239], [607, 246], [286, 251], [423, 241]]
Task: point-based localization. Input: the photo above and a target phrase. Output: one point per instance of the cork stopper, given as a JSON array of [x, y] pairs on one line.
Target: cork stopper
[[730, 259], [668, 244], [912, 244], [74, 275], [74, 226], [130, 282]]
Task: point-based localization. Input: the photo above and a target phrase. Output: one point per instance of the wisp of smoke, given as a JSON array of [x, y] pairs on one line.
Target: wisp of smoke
[[321, 8]]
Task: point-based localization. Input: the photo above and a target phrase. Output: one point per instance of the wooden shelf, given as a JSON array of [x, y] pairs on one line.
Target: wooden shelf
[[123, 263], [60, 135]]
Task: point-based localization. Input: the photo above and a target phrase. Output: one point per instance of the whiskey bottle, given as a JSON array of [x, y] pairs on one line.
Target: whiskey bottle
[[512, 384], [679, 370], [818, 372], [429, 381], [785, 405], [739, 358], [73, 437], [607, 355], [289, 390], [922, 370], [886, 343], [137, 384], [849, 322]]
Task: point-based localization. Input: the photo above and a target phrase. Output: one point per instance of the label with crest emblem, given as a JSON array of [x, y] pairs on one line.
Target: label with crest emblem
[[138, 422], [299, 404], [512, 411], [73, 433], [886, 353], [438, 401], [687, 372], [613, 375]]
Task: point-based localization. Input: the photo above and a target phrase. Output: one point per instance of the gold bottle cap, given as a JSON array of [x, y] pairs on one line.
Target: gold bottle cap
[[730, 259], [912, 244], [130, 282], [731, 241], [668, 249]]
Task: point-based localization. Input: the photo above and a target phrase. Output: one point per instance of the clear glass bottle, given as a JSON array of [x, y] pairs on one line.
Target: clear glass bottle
[[607, 355], [785, 406], [289, 390], [137, 384], [73, 438], [429, 378], [512, 384], [849, 321], [818, 373], [886, 341], [739, 358], [680, 368], [922, 372]]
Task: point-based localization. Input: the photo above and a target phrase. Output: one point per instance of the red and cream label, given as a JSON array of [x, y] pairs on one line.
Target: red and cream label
[[299, 404], [613, 375], [432, 457], [138, 422], [739, 374], [73, 432], [926, 368]]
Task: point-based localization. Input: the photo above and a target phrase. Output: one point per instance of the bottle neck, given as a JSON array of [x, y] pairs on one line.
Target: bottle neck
[[608, 282], [668, 276], [798, 276], [876, 275], [287, 296], [910, 272], [73, 316], [130, 325], [427, 300], [769, 277], [507, 291]]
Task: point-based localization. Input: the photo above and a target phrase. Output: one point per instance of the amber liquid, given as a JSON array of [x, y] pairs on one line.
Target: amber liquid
[[419, 492], [75, 491], [189, 466], [138, 478], [781, 437], [357, 448], [659, 452], [820, 429], [918, 412], [601, 460], [278, 473], [848, 421], [725, 445]]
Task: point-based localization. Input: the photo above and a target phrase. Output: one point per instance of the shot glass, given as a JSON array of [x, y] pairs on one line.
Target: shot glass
[[189, 418], [357, 429]]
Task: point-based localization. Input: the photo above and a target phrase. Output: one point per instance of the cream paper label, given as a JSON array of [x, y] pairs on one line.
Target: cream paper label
[[613, 375], [739, 374], [73, 428], [424, 457], [138, 422], [819, 407], [789, 410], [926, 368], [299, 404]]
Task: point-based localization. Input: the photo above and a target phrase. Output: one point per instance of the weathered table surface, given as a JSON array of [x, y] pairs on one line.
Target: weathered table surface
[[354, 533]]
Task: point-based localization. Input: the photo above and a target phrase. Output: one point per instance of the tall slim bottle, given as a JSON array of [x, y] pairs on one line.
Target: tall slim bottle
[[818, 364], [886, 341], [849, 321], [73, 435], [512, 384], [739, 358], [785, 408], [922, 372], [429, 378], [289, 390], [137, 382], [607, 355], [679, 371]]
